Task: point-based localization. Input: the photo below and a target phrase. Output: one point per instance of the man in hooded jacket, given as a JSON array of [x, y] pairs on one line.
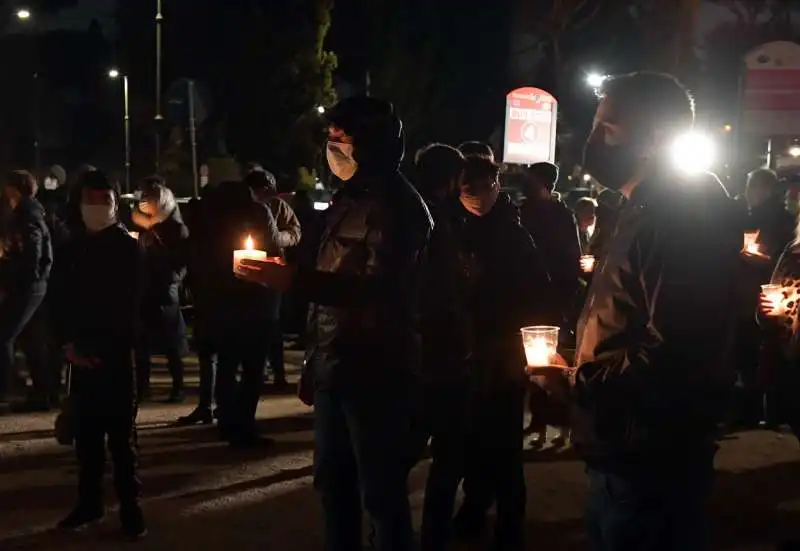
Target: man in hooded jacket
[[365, 353]]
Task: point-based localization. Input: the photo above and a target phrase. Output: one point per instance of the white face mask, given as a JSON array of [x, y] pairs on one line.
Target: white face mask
[[340, 159], [98, 217], [480, 205], [50, 183]]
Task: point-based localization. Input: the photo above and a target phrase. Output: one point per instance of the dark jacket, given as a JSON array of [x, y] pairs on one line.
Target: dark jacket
[[445, 317], [55, 203], [553, 228], [226, 216], [364, 284], [609, 203], [655, 334], [28, 255], [163, 248], [103, 275], [508, 288]]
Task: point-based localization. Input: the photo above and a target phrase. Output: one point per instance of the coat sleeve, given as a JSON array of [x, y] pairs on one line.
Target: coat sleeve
[[34, 243]]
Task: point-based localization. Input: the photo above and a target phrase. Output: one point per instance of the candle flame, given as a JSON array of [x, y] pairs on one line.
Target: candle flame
[[248, 243]]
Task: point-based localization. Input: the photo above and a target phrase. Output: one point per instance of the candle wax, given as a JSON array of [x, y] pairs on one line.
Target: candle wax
[[247, 253], [538, 352]]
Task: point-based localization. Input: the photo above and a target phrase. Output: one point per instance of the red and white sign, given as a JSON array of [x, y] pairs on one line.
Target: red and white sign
[[530, 135], [771, 90]]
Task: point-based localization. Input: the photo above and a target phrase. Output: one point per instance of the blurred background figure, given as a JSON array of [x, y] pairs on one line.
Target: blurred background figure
[[162, 241]]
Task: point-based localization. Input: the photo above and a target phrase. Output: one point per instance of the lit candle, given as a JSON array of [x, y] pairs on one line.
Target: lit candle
[[134, 234], [773, 294], [587, 263], [540, 343], [248, 252], [750, 244]]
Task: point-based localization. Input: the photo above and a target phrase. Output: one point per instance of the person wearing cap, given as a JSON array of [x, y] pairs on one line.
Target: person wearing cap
[[364, 352], [284, 232]]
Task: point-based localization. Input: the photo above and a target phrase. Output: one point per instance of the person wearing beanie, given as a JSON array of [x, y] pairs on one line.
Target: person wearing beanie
[[363, 285]]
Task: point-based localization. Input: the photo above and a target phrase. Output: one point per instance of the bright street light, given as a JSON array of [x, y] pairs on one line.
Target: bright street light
[[595, 80], [23, 14], [113, 73], [693, 152], [321, 109], [794, 151]]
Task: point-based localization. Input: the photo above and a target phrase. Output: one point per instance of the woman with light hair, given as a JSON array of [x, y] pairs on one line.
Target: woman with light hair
[[162, 239]]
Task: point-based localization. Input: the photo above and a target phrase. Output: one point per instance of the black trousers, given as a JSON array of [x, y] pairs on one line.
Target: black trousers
[[494, 460], [16, 311], [446, 422], [105, 408], [237, 403]]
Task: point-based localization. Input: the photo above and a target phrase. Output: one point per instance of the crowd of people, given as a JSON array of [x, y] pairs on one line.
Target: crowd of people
[[415, 296]]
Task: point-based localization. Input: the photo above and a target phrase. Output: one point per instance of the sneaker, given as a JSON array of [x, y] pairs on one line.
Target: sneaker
[[80, 518], [132, 522], [200, 416]]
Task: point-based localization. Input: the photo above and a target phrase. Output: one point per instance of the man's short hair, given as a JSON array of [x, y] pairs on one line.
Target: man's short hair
[[97, 180], [479, 169], [763, 177], [437, 165], [260, 179], [23, 181], [476, 149], [585, 203], [545, 174], [658, 100]]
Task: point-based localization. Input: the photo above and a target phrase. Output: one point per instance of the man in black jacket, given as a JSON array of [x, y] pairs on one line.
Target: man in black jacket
[[26, 257], [653, 366], [445, 342], [103, 278], [366, 350], [508, 287]]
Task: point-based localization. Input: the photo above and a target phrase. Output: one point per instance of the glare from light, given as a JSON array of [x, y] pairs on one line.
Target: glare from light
[[113, 73], [587, 177], [23, 14], [595, 80], [318, 205], [727, 128], [794, 151], [321, 109], [693, 152]]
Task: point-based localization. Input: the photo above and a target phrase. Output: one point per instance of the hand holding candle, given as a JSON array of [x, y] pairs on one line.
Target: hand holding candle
[[248, 252], [772, 300], [587, 263]]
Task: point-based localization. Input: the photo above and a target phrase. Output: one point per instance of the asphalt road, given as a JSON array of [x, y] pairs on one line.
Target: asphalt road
[[200, 494]]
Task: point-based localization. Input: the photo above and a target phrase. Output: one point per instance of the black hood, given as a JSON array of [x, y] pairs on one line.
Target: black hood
[[377, 131]]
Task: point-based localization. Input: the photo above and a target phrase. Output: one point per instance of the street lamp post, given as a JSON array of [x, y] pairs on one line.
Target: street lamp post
[[115, 74], [159, 117]]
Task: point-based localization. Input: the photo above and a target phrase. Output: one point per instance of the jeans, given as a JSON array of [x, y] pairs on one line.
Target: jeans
[[494, 467], [363, 441], [446, 423], [16, 310], [659, 507]]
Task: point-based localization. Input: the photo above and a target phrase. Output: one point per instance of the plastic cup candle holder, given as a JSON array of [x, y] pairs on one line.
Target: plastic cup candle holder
[[249, 252], [750, 244], [774, 294], [587, 263], [540, 342]]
